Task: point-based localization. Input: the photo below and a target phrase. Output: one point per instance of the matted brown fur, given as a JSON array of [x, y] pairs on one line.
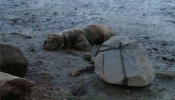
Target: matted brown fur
[[79, 38]]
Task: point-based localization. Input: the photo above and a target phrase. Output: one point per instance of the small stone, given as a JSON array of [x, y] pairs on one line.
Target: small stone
[[79, 91], [32, 50], [88, 69], [154, 48], [27, 36], [15, 20], [146, 37], [45, 73], [48, 19], [75, 72], [55, 13], [87, 56], [164, 43]]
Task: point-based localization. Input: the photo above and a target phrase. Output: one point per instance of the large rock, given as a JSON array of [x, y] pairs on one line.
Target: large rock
[[123, 61], [12, 61], [12, 85]]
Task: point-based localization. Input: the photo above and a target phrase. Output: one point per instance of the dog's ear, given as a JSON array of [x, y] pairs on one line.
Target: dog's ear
[[66, 39]]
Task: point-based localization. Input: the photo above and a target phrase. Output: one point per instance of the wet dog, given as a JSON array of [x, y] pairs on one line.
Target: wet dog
[[79, 38]]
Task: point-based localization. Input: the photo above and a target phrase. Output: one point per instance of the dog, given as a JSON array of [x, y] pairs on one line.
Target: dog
[[79, 38]]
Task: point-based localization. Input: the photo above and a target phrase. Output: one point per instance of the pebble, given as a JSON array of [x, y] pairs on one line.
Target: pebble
[[75, 72]]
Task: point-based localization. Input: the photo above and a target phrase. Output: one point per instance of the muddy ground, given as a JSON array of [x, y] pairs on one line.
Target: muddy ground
[[27, 23]]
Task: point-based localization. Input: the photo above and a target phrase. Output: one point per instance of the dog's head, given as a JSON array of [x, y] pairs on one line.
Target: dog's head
[[54, 41]]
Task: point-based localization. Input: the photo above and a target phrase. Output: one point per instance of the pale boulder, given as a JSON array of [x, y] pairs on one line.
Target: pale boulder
[[123, 61]]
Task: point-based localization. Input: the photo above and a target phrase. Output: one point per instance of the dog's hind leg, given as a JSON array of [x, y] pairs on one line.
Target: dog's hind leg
[[82, 43]]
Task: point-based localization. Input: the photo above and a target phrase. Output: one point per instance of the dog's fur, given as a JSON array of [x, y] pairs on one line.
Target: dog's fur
[[79, 38]]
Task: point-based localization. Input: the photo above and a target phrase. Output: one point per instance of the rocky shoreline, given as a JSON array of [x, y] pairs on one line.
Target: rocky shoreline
[[26, 24]]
